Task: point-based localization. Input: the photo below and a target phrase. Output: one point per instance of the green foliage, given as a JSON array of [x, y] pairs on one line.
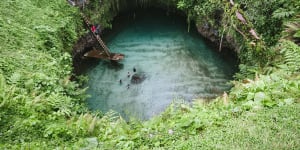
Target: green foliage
[[282, 13], [275, 128], [292, 30], [36, 94], [101, 13], [268, 16], [268, 91], [291, 56], [181, 5]]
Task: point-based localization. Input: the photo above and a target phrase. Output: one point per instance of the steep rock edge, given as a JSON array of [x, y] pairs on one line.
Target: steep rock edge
[[84, 44]]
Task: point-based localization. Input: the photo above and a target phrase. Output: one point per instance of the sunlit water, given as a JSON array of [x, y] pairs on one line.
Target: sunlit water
[[177, 65]]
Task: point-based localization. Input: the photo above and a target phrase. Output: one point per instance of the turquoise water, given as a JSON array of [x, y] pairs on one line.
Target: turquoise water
[[176, 64]]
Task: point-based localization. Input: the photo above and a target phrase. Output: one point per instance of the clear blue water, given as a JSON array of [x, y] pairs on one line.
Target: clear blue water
[[177, 65]]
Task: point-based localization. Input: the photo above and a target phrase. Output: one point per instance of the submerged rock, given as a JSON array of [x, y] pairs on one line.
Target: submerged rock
[[138, 78]]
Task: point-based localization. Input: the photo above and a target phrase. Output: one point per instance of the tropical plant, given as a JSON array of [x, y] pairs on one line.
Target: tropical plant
[[292, 30]]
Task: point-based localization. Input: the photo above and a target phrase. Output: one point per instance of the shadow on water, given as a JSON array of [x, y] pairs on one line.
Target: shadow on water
[[169, 63], [117, 66], [91, 63]]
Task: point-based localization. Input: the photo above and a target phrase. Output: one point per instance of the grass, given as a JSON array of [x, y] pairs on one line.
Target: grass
[[274, 128]]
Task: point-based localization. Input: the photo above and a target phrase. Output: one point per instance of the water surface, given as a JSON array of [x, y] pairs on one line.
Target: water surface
[[177, 64]]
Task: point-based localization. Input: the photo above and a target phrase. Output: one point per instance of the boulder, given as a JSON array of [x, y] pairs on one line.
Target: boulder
[[138, 78]]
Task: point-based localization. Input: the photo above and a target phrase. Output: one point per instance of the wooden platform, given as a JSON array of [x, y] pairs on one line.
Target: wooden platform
[[102, 55]]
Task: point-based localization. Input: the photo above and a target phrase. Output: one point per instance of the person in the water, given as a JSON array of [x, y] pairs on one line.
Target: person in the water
[[134, 70], [128, 74], [120, 81], [128, 86]]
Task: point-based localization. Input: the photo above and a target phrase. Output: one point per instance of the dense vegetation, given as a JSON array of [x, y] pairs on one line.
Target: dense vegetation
[[40, 108]]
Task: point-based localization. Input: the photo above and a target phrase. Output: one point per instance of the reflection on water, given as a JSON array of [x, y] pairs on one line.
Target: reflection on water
[[175, 64]]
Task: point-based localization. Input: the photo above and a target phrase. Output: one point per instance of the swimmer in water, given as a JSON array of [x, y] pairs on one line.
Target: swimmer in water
[[128, 75], [120, 81], [128, 85], [134, 70]]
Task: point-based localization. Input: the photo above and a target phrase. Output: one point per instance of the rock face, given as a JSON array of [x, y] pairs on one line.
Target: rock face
[[138, 78], [212, 34], [208, 32], [83, 45]]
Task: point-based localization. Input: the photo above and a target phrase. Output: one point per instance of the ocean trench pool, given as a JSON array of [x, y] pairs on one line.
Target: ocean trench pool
[[175, 65]]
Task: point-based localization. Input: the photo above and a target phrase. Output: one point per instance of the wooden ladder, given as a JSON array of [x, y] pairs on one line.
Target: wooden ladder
[[100, 41]]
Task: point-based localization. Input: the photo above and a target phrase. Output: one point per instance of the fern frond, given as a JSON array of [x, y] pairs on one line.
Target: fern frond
[[292, 30], [291, 56], [282, 13]]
